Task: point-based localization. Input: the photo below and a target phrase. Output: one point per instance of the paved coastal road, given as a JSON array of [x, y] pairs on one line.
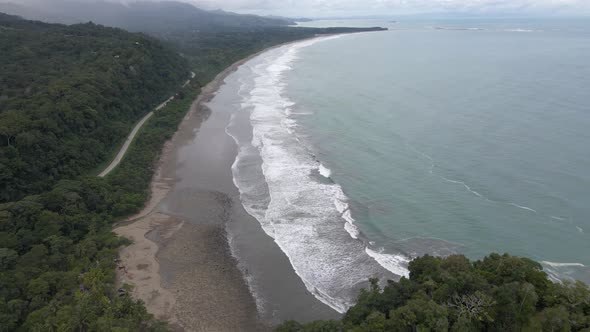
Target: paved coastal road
[[134, 132]]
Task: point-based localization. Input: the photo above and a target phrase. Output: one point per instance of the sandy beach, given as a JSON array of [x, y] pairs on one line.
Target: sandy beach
[[165, 262], [180, 262]]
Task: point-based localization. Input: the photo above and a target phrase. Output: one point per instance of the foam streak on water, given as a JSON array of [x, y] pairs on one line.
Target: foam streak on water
[[308, 218], [559, 272]]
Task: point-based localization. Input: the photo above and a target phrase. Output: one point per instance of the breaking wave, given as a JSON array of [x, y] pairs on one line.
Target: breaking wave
[[562, 264], [310, 220], [559, 272], [324, 171]]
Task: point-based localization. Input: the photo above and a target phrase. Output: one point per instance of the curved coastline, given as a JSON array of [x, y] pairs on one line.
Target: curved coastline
[[289, 191], [182, 268]]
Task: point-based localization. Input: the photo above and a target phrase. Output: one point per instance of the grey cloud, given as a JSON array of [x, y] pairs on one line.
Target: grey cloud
[[402, 6], [364, 7]]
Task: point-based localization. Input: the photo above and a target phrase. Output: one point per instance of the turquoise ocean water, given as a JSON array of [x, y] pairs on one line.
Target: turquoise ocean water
[[436, 137]]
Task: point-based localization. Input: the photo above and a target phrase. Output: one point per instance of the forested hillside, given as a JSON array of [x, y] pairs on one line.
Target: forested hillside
[[209, 52], [57, 249], [58, 252], [68, 94], [141, 15], [498, 293]]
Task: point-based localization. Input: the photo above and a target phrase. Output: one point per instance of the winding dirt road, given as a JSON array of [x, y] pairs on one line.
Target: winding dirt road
[[134, 132]]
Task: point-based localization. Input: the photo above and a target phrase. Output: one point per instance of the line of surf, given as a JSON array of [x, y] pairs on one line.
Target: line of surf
[[309, 219]]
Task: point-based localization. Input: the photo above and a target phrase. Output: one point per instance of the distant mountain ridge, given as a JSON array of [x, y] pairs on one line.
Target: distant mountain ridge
[[145, 16]]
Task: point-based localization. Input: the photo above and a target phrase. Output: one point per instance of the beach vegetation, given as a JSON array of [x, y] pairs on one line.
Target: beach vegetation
[[69, 95], [497, 293]]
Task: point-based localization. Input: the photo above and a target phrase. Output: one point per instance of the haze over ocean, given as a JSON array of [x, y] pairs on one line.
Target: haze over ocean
[[436, 137]]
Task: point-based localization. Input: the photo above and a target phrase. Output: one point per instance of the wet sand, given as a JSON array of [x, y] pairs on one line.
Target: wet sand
[[181, 263]]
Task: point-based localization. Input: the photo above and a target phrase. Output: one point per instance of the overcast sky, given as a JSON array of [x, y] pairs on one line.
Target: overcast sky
[[387, 7], [326, 8]]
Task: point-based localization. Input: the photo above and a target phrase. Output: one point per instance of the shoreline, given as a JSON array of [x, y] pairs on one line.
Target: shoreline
[[172, 257], [140, 266]]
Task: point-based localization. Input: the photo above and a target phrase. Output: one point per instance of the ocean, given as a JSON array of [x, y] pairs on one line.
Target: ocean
[[435, 137]]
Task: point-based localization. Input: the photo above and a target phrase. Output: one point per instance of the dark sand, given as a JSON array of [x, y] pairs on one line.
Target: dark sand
[[181, 262]]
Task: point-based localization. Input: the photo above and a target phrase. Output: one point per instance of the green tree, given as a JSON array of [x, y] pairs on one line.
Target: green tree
[[497, 293]]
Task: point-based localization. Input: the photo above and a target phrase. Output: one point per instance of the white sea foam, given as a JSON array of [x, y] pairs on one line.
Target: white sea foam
[[394, 263], [309, 220], [289, 124], [340, 205], [343, 208], [324, 171], [558, 272], [468, 188], [523, 207], [521, 30], [352, 230], [424, 155], [562, 264], [552, 274], [580, 229], [458, 28], [348, 217], [349, 226]]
